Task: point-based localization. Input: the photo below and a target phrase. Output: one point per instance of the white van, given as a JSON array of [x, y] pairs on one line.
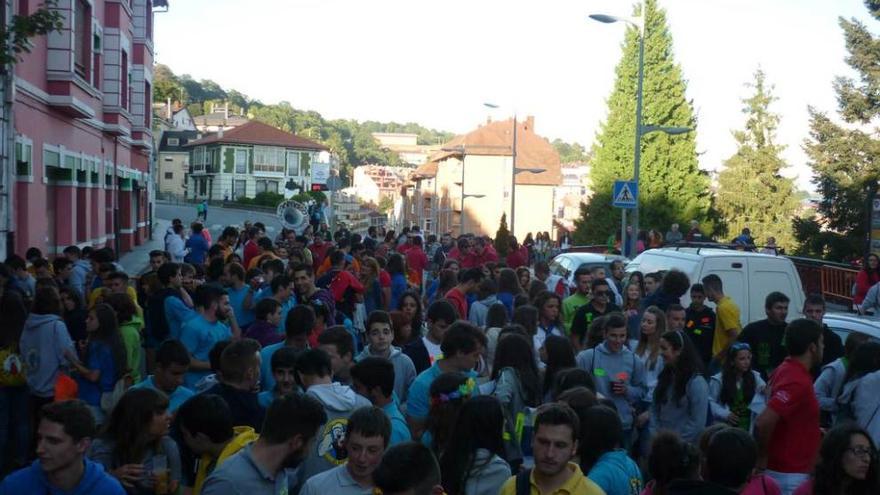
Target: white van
[[747, 277]]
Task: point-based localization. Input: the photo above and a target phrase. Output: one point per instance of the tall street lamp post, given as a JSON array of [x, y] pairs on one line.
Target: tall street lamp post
[[514, 171], [461, 150], [641, 130]]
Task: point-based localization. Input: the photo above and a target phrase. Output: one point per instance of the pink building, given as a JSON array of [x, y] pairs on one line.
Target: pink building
[[82, 119]]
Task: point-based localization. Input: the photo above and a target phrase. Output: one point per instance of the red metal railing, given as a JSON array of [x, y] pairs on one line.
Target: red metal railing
[[837, 283]]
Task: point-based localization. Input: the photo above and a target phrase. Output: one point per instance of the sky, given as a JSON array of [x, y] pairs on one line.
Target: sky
[[435, 63]]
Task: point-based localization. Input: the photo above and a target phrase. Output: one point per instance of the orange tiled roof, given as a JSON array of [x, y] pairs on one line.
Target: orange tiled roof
[[496, 139], [258, 133], [427, 169]]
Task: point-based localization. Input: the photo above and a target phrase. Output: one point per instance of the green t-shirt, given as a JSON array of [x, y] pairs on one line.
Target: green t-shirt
[[570, 306]]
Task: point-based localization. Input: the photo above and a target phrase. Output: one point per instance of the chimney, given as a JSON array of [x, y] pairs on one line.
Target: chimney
[[220, 132], [168, 109], [530, 123]]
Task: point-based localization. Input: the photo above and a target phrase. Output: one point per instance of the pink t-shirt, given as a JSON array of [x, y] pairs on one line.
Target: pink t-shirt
[[762, 484], [806, 488]]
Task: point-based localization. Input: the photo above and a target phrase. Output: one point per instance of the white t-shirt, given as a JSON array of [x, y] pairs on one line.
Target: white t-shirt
[[434, 351]]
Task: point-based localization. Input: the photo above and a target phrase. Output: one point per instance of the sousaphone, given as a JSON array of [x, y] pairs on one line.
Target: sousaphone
[[292, 215]]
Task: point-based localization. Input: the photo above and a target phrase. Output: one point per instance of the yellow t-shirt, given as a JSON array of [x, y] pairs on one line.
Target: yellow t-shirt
[[577, 484], [242, 437], [726, 317]]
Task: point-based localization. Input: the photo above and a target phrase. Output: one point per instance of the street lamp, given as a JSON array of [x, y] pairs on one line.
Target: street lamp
[[514, 172], [641, 130]]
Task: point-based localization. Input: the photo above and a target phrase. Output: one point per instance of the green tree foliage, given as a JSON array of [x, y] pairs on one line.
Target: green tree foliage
[[21, 28], [385, 204], [751, 191], [502, 237], [570, 152], [846, 161], [672, 189]]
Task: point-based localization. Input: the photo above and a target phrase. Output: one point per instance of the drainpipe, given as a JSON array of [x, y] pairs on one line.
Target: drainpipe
[[115, 198]]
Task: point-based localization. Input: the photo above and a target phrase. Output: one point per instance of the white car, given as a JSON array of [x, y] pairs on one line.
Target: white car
[[844, 324], [566, 264]]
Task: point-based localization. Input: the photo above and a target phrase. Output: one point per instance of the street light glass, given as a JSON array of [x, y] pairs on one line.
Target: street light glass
[[607, 19], [530, 170], [671, 130], [490, 105]]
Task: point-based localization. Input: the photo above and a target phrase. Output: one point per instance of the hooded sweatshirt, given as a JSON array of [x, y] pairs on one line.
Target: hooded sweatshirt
[[79, 276], [829, 383], [32, 479], [339, 402], [404, 370], [687, 416], [607, 367], [42, 347], [861, 395], [616, 473], [480, 310], [489, 475], [720, 412]]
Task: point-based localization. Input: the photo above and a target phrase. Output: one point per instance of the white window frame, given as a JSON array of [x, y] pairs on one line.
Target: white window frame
[[269, 159], [294, 164], [240, 167], [173, 141], [200, 159]]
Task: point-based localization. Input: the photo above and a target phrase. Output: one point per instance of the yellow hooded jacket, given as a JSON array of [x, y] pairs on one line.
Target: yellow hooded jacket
[[242, 436]]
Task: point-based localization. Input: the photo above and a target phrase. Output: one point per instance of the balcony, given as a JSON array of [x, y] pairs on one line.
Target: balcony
[[209, 169]]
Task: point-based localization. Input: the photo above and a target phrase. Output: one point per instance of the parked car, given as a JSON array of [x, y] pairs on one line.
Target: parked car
[[844, 324], [747, 277], [566, 264]]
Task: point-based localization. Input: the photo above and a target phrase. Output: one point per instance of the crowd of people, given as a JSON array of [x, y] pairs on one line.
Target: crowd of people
[[411, 364]]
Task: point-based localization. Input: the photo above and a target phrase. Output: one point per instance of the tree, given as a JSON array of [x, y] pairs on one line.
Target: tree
[[21, 28], [570, 152], [502, 237], [385, 204], [845, 161], [166, 85], [672, 189], [751, 191]]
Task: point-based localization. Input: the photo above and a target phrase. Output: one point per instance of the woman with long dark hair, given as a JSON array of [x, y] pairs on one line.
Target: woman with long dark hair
[[473, 462], [632, 309], [411, 305], [557, 354], [549, 306], [524, 277], [731, 391], [858, 401], [517, 386], [135, 443], [448, 394], [867, 277], [847, 464], [681, 399], [74, 313], [373, 295], [103, 360], [508, 288]]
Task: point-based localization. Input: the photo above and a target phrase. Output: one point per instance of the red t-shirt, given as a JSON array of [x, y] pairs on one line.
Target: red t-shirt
[[459, 302], [796, 438], [384, 279], [416, 261], [250, 250]]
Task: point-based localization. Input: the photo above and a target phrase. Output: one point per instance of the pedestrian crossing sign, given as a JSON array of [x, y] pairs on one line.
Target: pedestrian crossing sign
[[626, 194]]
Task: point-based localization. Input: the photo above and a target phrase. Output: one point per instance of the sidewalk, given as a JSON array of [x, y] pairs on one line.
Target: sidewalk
[[137, 260]]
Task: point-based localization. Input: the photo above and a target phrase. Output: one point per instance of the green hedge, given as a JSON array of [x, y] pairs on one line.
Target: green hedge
[[269, 199]]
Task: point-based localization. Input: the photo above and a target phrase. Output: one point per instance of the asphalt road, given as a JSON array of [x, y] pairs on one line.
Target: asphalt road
[[218, 218]]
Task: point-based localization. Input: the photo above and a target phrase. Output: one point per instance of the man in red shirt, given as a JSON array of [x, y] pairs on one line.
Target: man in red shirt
[[250, 246], [788, 429], [468, 280], [416, 260]]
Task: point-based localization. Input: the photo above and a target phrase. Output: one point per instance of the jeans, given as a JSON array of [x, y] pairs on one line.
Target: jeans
[[14, 427], [788, 482]]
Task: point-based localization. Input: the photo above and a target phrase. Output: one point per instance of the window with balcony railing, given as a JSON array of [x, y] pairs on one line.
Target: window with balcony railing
[[241, 159], [268, 159], [200, 159]]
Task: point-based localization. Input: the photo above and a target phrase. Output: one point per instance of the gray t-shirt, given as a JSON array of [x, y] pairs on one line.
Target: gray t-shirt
[[337, 481], [241, 475], [101, 451]]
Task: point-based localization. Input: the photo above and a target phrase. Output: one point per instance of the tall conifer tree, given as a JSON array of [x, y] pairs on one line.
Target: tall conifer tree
[[672, 189], [751, 192]]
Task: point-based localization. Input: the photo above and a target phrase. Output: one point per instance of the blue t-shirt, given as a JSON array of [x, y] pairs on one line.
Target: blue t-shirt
[[265, 398], [267, 381], [418, 401], [180, 395], [398, 287], [285, 308], [100, 358], [399, 429], [199, 336], [616, 473], [176, 314], [244, 317], [264, 292]]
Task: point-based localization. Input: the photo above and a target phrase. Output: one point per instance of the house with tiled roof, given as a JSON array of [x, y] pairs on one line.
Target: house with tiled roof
[[479, 165], [249, 159]]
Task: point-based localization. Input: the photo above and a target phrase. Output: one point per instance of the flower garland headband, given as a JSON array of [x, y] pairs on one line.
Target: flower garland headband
[[464, 391]]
